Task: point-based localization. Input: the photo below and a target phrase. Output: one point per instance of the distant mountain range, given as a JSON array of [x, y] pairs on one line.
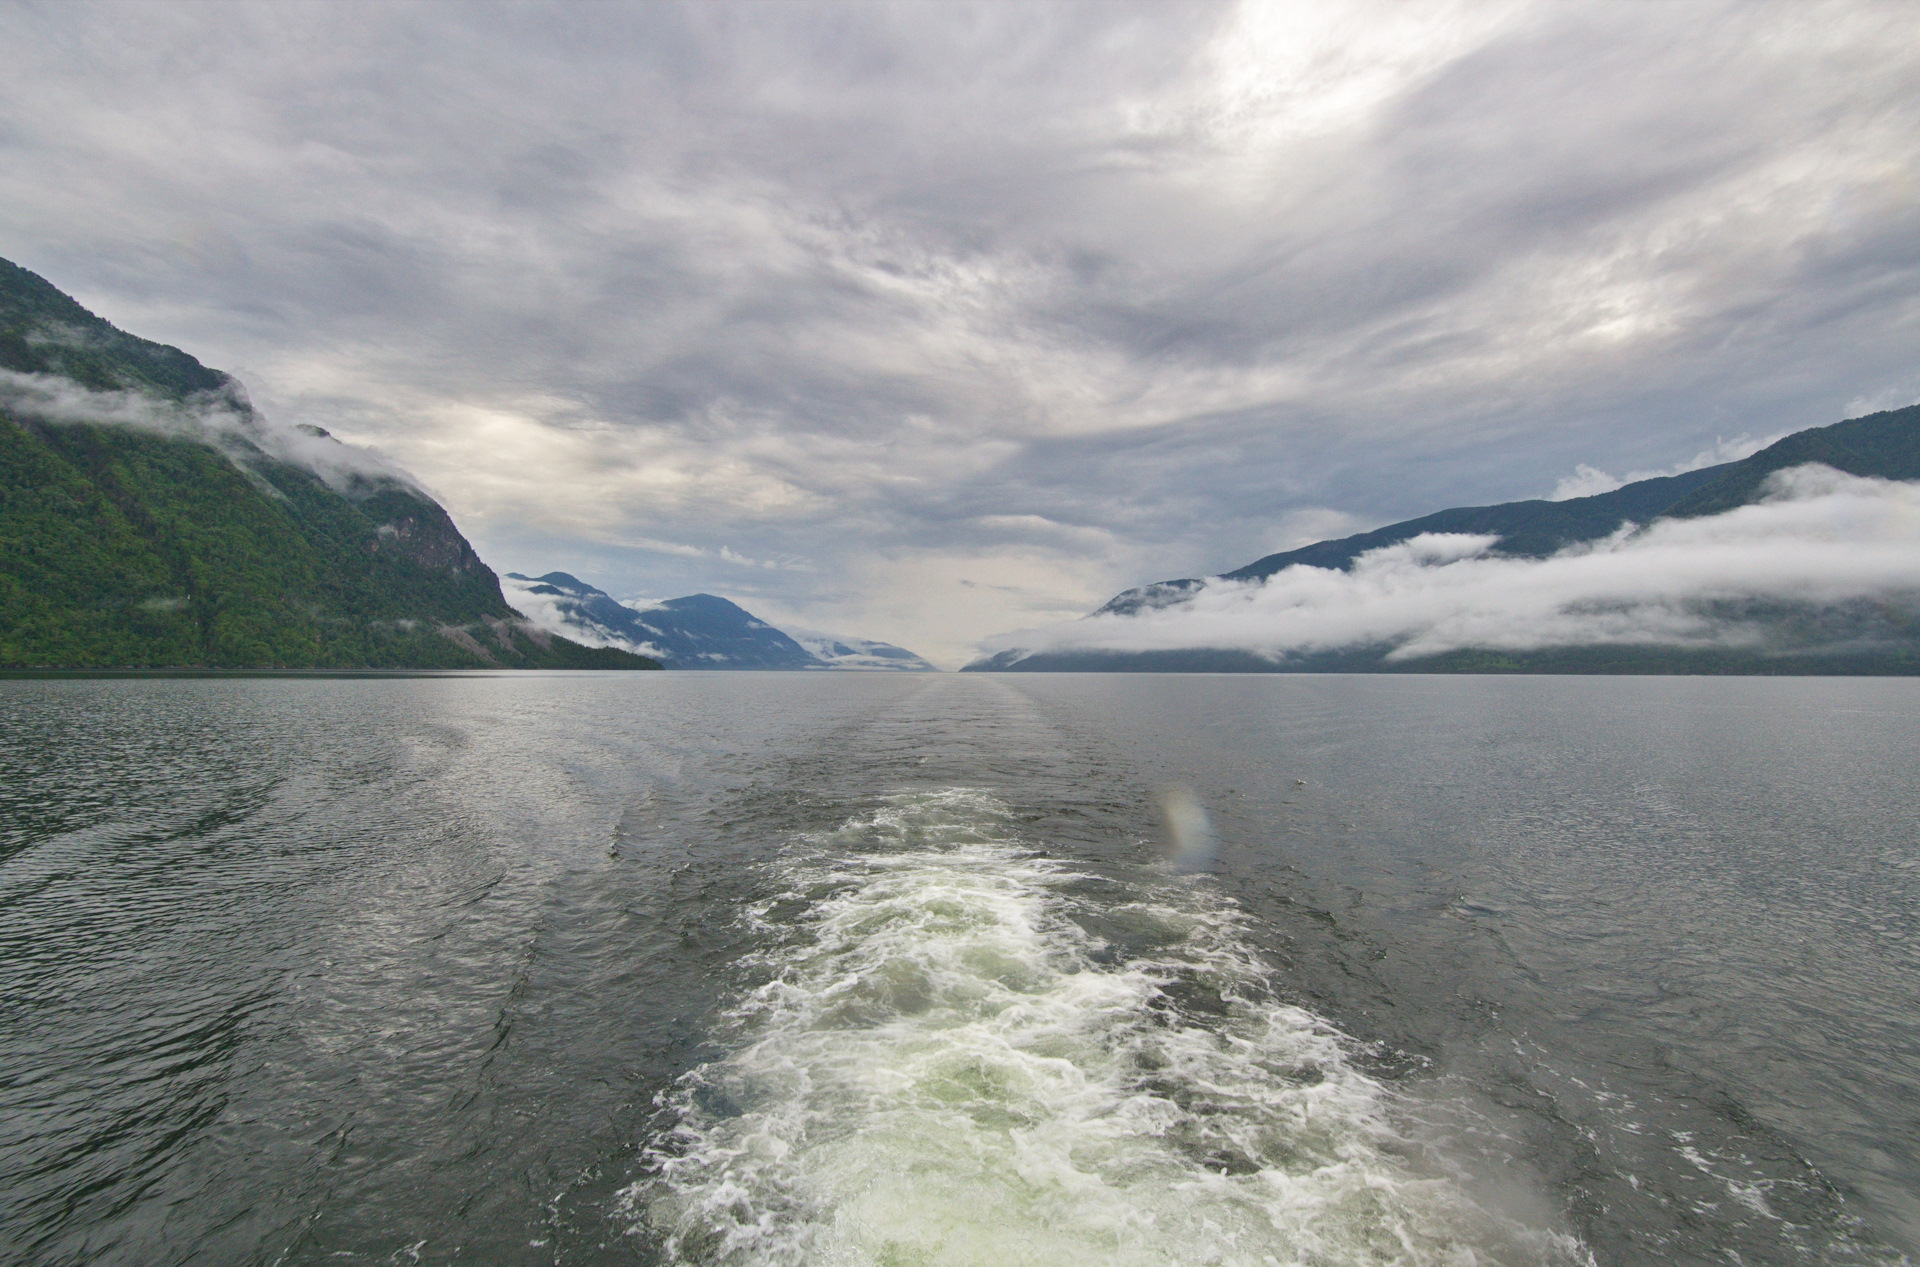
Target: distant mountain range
[[860, 653], [700, 631], [1872, 637], [150, 518]]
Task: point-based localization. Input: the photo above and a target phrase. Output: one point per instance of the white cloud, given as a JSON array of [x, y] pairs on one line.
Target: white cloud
[[557, 615], [1586, 481], [1818, 537], [862, 654], [1898, 396], [223, 421]]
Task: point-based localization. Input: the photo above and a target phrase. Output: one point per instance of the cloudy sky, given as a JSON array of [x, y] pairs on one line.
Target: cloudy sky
[[924, 322]]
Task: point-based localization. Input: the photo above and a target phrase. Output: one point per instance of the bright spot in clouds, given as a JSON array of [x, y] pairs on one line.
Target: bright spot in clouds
[[1055, 299]]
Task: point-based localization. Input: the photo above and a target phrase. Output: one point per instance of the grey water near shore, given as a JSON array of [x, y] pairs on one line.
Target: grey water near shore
[[763, 968]]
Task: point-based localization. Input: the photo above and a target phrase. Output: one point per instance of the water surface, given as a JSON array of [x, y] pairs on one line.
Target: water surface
[[764, 968]]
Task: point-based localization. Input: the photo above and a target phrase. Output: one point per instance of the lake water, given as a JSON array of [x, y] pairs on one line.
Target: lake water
[[868, 969]]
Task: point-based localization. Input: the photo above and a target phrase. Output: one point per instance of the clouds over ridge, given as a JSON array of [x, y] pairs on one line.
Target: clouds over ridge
[[221, 420], [1818, 537], [866, 288]]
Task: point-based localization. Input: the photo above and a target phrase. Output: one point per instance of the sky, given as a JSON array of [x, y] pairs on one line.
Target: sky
[[923, 322]]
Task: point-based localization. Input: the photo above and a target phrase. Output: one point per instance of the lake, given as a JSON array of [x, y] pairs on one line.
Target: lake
[[898, 969]]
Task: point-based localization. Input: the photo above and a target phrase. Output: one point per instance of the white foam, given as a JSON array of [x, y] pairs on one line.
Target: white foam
[[943, 1070]]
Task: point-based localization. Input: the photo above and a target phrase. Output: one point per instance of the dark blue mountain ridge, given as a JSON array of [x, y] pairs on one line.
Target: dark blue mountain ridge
[[1529, 529], [836, 652], [1884, 445], [705, 631], [699, 631]]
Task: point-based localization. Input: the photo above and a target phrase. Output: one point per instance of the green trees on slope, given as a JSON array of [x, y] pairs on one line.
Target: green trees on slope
[[130, 547], [123, 548]]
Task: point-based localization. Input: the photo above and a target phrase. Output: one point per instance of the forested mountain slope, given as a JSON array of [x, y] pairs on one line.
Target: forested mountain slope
[[150, 518]]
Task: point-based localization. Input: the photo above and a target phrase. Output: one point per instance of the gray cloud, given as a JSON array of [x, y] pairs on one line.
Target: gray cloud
[[1818, 537], [1059, 297]]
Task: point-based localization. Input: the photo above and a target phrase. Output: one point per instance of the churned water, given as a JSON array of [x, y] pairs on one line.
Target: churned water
[[946, 1065], [850, 969]]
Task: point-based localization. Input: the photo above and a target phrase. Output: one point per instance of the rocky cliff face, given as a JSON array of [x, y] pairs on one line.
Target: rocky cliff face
[[419, 532]]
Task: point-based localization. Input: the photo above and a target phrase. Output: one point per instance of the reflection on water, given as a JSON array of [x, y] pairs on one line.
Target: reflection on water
[[847, 968]]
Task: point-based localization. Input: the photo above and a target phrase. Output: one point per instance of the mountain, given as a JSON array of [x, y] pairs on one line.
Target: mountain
[[836, 652], [700, 631], [1846, 661], [150, 518], [1882, 444], [1529, 529], [1854, 637]]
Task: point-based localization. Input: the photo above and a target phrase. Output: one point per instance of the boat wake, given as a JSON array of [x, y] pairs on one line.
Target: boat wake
[[945, 1065]]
